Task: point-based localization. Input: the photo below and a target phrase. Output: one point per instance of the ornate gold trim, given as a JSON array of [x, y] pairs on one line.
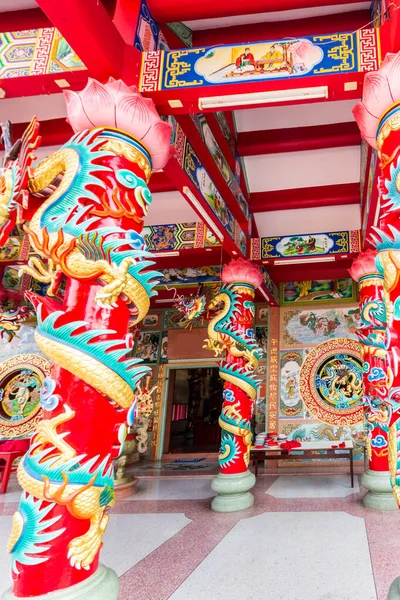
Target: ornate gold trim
[[393, 124], [313, 402], [41, 366], [132, 154], [241, 289], [377, 281]]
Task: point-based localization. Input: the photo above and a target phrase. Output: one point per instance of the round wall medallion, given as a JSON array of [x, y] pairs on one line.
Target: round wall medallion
[[21, 378], [331, 382]]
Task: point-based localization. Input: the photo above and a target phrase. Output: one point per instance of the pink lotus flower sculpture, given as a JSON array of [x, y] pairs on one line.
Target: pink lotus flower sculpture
[[242, 271], [381, 90], [364, 264], [115, 104]]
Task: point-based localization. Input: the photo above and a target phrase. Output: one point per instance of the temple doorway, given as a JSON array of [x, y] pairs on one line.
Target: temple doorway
[[194, 402]]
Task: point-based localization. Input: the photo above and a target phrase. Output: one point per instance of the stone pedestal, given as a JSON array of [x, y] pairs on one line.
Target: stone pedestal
[[126, 487], [103, 585], [394, 591], [380, 493], [233, 492]]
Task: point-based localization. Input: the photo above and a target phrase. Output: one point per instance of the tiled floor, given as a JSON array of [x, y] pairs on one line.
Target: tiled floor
[[307, 537], [313, 486]]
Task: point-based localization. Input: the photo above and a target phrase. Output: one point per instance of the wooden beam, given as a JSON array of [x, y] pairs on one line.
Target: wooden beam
[[19, 20], [278, 30], [159, 182], [89, 30], [311, 271], [297, 139], [313, 197]]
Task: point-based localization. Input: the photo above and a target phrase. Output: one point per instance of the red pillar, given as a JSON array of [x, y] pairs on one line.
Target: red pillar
[[231, 330], [88, 229], [372, 334]]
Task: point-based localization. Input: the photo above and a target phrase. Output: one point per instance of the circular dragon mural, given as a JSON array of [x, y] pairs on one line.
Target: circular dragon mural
[[21, 378], [331, 382]]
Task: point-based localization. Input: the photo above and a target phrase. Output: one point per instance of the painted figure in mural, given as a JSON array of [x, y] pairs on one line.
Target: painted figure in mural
[[245, 62], [290, 387], [87, 232], [21, 395], [231, 330], [191, 274], [273, 59], [320, 325], [307, 291]]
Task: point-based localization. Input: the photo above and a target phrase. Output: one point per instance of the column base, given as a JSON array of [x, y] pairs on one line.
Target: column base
[[394, 590], [125, 487], [233, 492], [380, 493], [102, 585]]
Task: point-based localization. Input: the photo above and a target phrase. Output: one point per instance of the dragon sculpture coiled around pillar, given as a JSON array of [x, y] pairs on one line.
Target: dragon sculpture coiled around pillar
[[378, 117], [371, 333], [85, 205], [231, 329]]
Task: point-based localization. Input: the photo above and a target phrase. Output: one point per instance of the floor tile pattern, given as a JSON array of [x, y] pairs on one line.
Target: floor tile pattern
[[304, 535]]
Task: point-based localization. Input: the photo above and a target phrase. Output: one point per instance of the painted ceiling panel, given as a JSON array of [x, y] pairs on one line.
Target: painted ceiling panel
[[11, 5], [170, 207], [272, 17], [309, 220], [40, 153], [292, 170], [21, 110], [300, 115]]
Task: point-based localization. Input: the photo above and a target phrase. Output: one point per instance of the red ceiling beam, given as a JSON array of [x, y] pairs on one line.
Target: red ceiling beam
[[213, 170], [36, 85], [281, 29], [298, 139], [89, 30], [221, 141], [159, 182], [390, 29], [192, 257], [19, 20], [313, 197], [175, 173], [371, 218], [310, 271], [165, 11], [189, 96]]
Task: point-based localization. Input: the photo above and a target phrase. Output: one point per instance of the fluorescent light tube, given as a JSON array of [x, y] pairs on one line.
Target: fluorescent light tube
[[304, 260], [311, 93], [264, 293], [162, 254], [193, 199]]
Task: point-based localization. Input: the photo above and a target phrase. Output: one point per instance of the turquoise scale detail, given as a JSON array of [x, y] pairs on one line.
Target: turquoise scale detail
[[34, 539], [108, 352]]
